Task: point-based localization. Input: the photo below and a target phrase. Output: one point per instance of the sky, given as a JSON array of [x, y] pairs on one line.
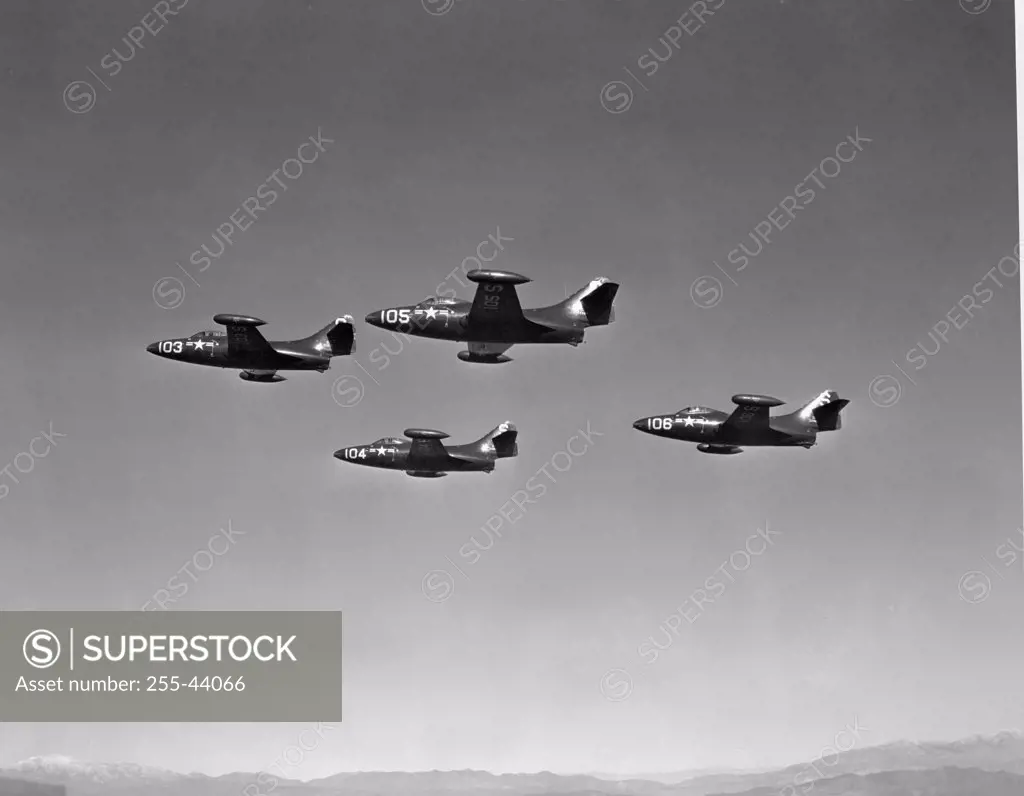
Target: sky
[[887, 595]]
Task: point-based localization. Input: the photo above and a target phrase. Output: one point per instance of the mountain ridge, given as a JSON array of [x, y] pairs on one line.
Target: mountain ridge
[[1000, 753]]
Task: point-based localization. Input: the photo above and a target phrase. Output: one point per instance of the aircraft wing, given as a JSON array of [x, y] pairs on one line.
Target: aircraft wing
[[747, 417], [245, 339], [488, 349], [426, 449], [495, 304]]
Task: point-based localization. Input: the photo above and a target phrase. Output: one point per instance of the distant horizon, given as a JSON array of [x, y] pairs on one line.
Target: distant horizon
[[638, 775]]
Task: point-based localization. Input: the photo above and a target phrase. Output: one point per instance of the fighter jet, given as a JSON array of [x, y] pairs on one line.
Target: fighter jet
[[749, 424], [242, 346], [426, 457], [495, 321]]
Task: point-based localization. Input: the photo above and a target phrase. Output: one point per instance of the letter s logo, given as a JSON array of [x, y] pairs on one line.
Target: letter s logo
[[706, 291], [616, 97], [41, 649]]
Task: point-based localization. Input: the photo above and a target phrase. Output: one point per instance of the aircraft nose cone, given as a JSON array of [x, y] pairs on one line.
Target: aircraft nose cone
[[373, 318], [152, 348], [639, 424], [340, 454]]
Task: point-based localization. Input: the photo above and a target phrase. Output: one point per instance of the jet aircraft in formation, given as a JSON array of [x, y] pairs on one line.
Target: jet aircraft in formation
[[714, 431], [491, 324], [242, 347], [495, 321], [423, 455]]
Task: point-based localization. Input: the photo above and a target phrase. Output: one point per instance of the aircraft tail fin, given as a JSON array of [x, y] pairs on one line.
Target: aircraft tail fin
[[337, 339], [823, 411], [595, 301], [503, 438], [828, 416]]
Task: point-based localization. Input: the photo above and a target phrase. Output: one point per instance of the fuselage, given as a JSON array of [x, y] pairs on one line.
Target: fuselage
[[708, 426], [448, 319], [392, 453], [211, 348]]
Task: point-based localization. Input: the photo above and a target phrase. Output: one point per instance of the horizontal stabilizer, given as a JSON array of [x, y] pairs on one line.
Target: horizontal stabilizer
[[597, 304], [342, 336], [228, 319], [503, 438], [756, 400], [337, 339], [808, 412], [828, 417]]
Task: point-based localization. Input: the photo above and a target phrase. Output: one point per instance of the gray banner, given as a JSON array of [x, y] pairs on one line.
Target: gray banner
[[202, 666]]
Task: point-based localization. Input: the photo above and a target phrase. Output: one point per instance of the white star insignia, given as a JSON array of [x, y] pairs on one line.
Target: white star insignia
[[431, 312], [379, 450], [198, 344], [688, 421]]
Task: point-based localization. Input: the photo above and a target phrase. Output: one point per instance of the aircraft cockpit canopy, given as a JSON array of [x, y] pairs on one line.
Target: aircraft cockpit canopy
[[388, 441], [208, 333], [694, 410]]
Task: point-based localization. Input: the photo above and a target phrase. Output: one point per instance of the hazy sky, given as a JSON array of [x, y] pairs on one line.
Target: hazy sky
[[445, 129]]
